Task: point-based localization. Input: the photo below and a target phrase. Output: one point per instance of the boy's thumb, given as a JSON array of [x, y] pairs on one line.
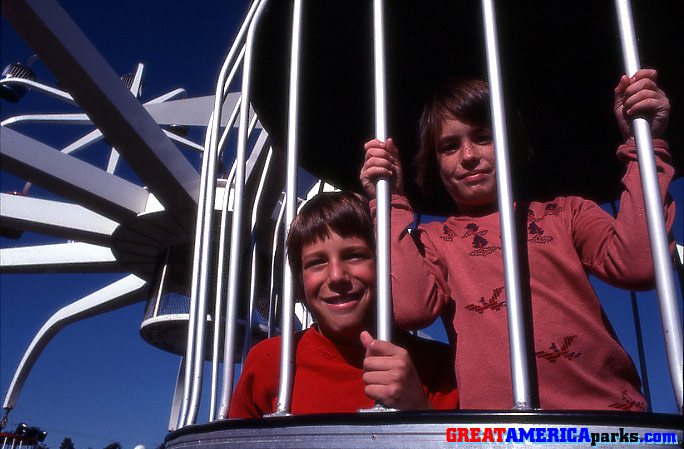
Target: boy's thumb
[[366, 339]]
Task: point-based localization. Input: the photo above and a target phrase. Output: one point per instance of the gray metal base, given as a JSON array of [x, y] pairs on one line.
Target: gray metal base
[[438, 429]]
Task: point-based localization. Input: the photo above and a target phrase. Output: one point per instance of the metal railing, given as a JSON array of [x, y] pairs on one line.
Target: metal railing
[[517, 326]]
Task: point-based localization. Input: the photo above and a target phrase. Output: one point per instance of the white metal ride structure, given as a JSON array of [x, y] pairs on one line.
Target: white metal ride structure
[[184, 235]]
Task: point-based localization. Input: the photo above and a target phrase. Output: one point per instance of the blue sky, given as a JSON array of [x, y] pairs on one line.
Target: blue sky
[[98, 381]]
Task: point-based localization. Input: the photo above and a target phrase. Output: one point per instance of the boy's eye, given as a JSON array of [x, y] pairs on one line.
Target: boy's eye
[[356, 256], [313, 263]]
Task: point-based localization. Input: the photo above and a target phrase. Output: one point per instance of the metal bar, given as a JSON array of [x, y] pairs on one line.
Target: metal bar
[[124, 292], [237, 221], [220, 292], [195, 282], [70, 177], [65, 119], [40, 87], [73, 257], [514, 300], [287, 326], [272, 291], [220, 296], [247, 341], [135, 90], [98, 90], [639, 334], [218, 307], [667, 296], [384, 294], [56, 218], [177, 397]]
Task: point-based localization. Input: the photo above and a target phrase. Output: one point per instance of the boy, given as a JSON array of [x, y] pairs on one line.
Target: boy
[[339, 367]]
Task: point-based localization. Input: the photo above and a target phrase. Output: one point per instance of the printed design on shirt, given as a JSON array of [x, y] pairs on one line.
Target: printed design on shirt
[[492, 303], [473, 229], [534, 231], [627, 403], [554, 352], [447, 234], [480, 243], [552, 209]]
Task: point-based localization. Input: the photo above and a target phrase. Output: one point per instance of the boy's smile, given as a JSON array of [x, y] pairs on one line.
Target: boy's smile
[[338, 274]]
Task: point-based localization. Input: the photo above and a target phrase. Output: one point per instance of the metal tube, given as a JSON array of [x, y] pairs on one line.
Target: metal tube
[[237, 222], [274, 253], [514, 299], [220, 296], [639, 335], [192, 314], [382, 187], [218, 307], [667, 296], [191, 404], [247, 342], [287, 326]]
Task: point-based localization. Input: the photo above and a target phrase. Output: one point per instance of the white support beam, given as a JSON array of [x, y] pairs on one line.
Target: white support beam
[[70, 178], [191, 111], [98, 90], [74, 257], [124, 292], [55, 218]]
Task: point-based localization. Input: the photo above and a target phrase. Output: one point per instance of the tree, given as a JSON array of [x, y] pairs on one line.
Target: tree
[[114, 445], [67, 444]]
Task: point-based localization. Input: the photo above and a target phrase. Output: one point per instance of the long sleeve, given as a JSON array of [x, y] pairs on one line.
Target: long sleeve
[[420, 289], [618, 250]]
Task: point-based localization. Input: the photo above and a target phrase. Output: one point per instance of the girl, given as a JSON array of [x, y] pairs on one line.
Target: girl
[[454, 269]]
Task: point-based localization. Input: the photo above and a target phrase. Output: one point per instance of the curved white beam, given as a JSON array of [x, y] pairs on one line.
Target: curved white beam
[[75, 257], [55, 218], [124, 292], [70, 178], [191, 111], [98, 90]]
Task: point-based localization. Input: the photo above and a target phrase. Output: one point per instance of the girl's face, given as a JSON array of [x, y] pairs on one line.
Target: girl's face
[[465, 156], [338, 275]]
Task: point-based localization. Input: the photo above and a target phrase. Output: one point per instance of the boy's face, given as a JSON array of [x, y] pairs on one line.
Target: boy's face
[[465, 155], [338, 274]]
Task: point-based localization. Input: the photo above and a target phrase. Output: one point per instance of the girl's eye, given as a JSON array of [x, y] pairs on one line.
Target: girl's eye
[[484, 139], [448, 149]]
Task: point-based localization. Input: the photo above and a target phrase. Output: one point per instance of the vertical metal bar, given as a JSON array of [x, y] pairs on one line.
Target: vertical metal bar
[[382, 188], [247, 342], [640, 350], [162, 283], [287, 326], [191, 403], [174, 421], [639, 335], [514, 300], [667, 297], [272, 292], [220, 292], [237, 222], [194, 297]]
